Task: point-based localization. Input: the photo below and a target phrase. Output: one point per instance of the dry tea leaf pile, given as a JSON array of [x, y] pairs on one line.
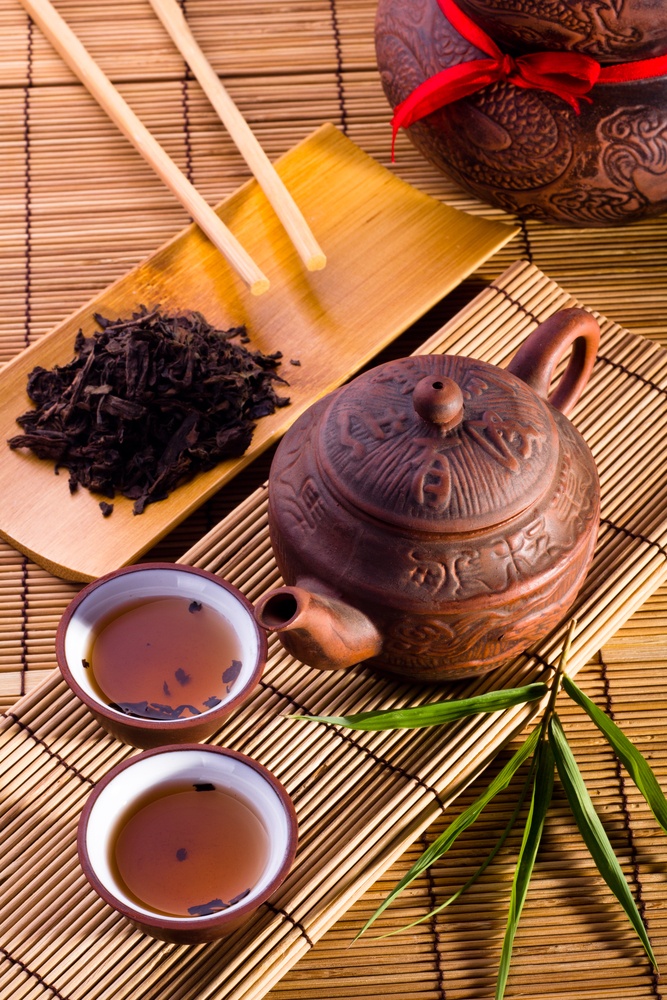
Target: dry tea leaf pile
[[147, 403]]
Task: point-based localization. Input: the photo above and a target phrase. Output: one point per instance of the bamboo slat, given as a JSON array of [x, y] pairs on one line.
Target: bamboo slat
[[363, 798]]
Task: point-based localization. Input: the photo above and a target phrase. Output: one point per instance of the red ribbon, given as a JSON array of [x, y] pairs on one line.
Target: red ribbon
[[569, 75]]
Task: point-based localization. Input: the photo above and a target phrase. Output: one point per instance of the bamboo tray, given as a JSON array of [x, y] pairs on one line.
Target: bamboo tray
[[393, 252], [361, 798]]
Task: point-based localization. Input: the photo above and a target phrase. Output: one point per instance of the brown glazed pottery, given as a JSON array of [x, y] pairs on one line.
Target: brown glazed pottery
[[527, 150], [438, 514], [609, 30]]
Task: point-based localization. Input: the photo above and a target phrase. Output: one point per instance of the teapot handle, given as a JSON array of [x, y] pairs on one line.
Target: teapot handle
[[536, 360]]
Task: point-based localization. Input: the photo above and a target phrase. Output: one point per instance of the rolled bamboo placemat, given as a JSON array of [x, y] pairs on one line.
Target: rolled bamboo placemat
[[79, 209], [83, 207], [361, 798]]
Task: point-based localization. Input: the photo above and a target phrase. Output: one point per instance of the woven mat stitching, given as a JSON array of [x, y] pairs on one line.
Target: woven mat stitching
[[280, 912], [52, 753], [515, 302], [27, 146], [635, 375], [24, 622], [340, 86], [31, 972], [635, 535], [435, 931], [364, 750]]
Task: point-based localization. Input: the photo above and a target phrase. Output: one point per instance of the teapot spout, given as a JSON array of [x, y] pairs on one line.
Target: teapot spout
[[318, 630]]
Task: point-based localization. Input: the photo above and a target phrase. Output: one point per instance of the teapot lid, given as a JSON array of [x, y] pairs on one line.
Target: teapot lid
[[438, 443]]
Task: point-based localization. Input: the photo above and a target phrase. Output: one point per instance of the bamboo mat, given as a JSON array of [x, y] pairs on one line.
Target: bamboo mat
[[79, 207], [361, 798], [77, 210]]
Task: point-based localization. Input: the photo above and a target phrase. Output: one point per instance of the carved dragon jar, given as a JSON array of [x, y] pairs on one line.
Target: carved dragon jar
[[553, 109], [438, 514]]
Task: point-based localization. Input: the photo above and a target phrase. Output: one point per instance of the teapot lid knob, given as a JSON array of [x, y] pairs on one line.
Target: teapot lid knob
[[439, 400]]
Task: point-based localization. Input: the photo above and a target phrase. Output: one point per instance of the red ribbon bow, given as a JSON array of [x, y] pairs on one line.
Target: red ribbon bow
[[570, 75]]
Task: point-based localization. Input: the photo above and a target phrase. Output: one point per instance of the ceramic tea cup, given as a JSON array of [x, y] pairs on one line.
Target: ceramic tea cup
[[160, 653], [187, 880]]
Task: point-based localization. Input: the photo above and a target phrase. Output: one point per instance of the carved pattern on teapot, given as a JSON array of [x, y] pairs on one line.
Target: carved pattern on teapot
[[375, 444], [492, 568], [432, 640], [426, 643], [431, 635], [440, 578], [505, 559], [355, 422], [572, 503], [435, 637], [434, 467], [301, 496], [311, 504], [505, 439]]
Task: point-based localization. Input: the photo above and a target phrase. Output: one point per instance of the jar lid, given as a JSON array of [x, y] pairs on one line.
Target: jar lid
[[438, 443]]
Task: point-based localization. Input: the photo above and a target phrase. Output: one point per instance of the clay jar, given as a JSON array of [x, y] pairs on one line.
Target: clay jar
[[436, 515], [525, 150], [605, 29]]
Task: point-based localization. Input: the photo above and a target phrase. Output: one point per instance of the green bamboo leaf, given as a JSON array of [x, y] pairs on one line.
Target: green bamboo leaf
[[635, 763], [442, 843], [592, 830], [542, 791], [480, 871], [435, 714]]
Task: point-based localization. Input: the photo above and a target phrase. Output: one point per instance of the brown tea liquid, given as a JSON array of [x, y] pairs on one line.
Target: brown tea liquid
[[164, 658], [190, 850]]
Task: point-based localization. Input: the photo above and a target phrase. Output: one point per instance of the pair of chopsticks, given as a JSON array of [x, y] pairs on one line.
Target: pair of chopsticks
[[68, 46]]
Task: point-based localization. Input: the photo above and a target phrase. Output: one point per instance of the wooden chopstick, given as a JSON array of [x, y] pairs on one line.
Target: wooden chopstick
[[277, 194], [68, 46]]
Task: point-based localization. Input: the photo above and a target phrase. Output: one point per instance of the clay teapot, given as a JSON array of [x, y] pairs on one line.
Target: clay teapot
[[436, 515], [594, 157]]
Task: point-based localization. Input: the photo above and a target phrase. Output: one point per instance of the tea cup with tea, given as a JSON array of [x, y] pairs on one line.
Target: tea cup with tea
[[160, 653], [187, 841]]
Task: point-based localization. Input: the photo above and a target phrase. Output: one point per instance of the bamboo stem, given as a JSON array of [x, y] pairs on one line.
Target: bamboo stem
[[269, 180], [83, 65]]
